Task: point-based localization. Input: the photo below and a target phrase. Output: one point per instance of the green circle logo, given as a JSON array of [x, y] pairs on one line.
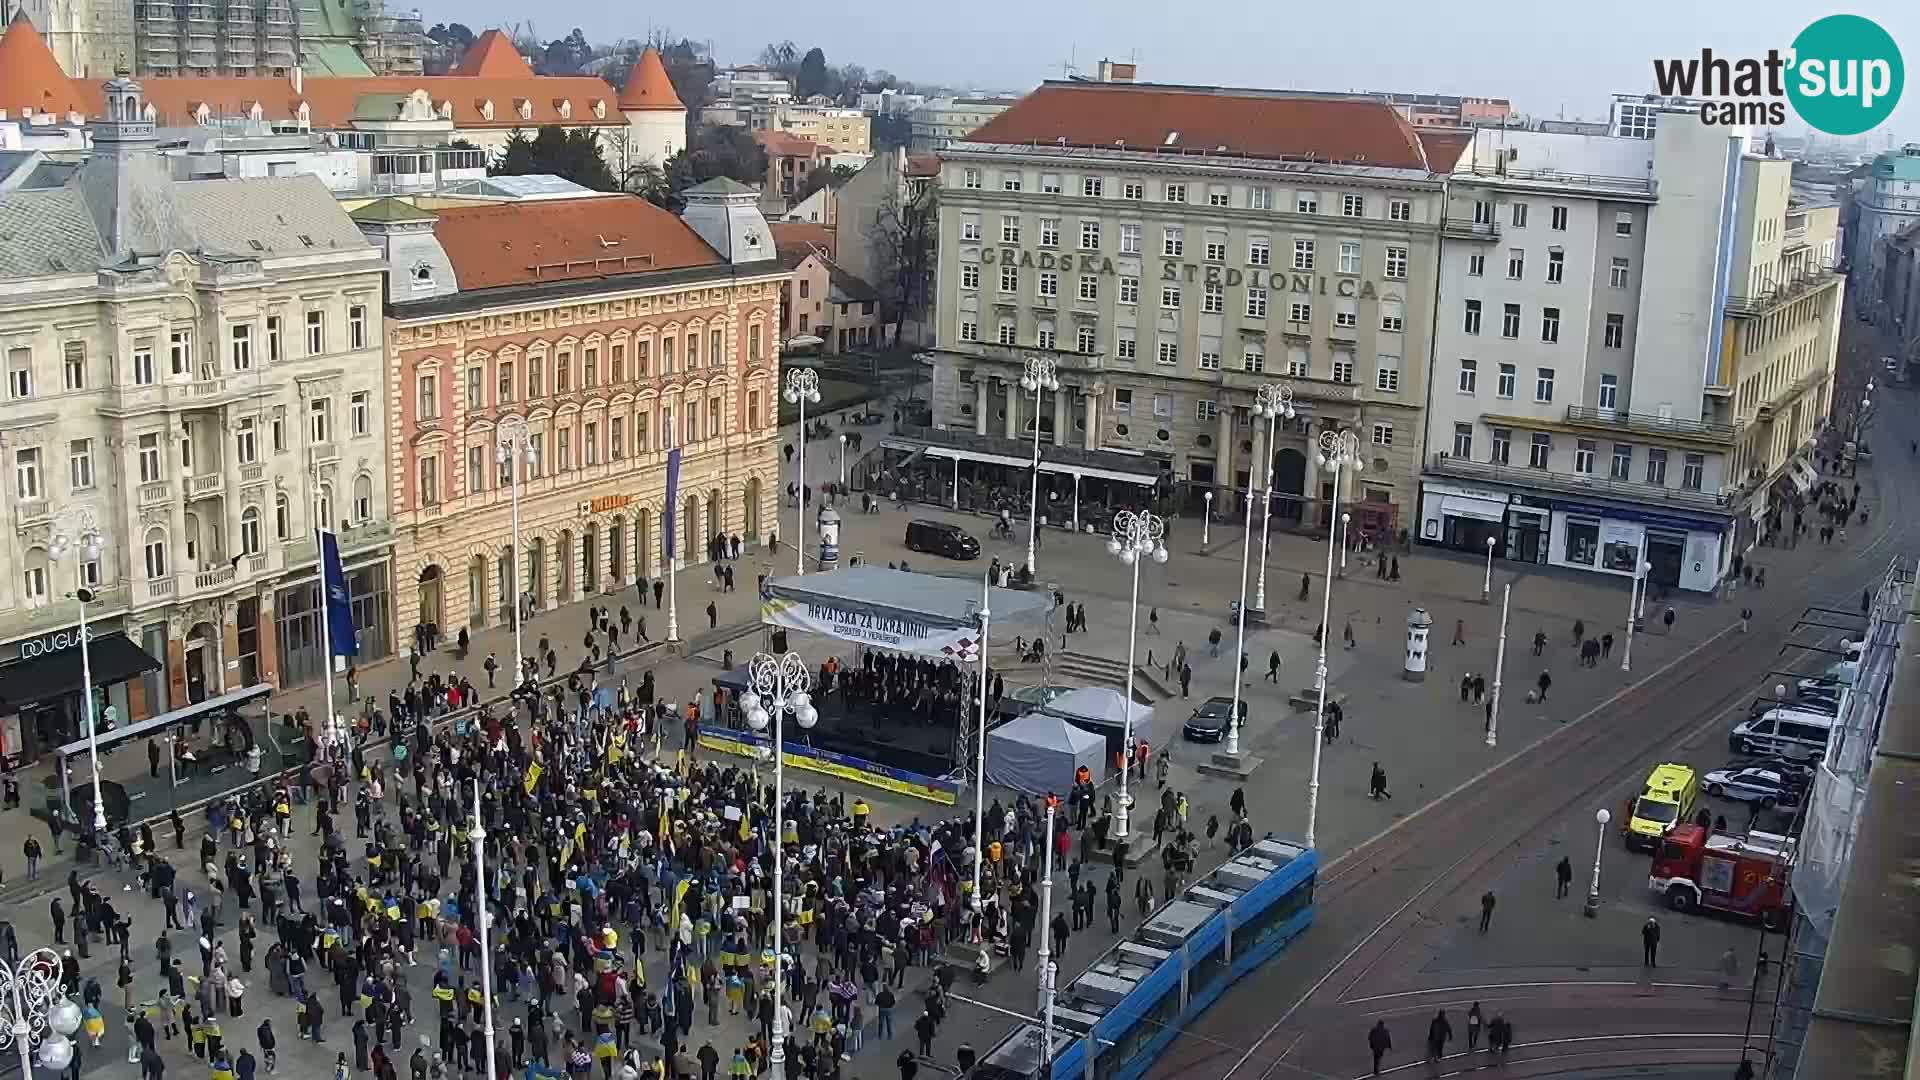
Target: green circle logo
[[1846, 76]]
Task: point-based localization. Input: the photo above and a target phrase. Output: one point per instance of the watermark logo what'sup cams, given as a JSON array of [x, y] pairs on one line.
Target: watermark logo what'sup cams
[[1843, 75]]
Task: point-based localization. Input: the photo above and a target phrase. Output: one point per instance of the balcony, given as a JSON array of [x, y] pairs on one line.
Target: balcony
[[352, 541], [1614, 421], [1460, 228], [155, 494], [204, 485], [213, 579], [1016, 355], [158, 589], [30, 511], [108, 600], [252, 474], [1754, 307], [1445, 464], [325, 452]]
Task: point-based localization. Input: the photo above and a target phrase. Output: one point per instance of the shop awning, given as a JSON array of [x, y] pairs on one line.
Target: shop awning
[[1018, 454], [114, 658]]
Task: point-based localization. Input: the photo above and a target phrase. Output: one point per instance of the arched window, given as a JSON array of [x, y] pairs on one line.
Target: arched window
[[362, 499], [34, 577], [156, 553], [282, 516], [324, 503], [250, 531]]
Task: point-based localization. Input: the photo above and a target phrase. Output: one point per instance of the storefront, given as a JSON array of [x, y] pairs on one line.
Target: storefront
[[296, 611], [41, 680], [1464, 518]]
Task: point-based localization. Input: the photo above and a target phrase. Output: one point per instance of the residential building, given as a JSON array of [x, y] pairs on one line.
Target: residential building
[[820, 208], [1637, 116], [846, 130], [743, 86], [1895, 291], [194, 368], [1633, 346], [1173, 249], [823, 306], [161, 38], [611, 332], [881, 212], [943, 120], [790, 160], [890, 102], [1886, 204], [1453, 110], [492, 94]]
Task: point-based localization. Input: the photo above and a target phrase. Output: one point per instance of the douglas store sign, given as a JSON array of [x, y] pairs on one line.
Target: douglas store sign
[[58, 641]]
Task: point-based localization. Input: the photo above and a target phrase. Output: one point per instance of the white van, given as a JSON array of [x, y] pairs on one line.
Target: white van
[[1789, 733]]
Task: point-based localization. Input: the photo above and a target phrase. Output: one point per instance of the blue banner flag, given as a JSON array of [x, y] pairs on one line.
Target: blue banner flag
[[339, 608], [673, 499]]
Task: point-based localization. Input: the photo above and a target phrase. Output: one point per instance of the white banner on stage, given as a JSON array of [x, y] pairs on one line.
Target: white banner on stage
[[870, 628]]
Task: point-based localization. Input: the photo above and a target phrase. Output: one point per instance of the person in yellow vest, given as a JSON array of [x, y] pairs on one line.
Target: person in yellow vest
[[860, 812]]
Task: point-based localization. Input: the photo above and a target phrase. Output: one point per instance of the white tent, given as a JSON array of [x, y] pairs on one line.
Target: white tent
[[1102, 711], [1038, 753]]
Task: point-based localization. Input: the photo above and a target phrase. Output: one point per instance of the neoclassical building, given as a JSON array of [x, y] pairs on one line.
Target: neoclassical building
[[614, 332]]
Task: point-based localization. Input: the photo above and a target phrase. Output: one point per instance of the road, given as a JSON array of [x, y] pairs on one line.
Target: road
[[1395, 936]]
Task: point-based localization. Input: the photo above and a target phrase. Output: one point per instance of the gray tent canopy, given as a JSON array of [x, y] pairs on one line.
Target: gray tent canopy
[[1037, 754], [1102, 711]]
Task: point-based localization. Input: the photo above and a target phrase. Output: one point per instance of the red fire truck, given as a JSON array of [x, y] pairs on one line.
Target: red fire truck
[[1743, 875]]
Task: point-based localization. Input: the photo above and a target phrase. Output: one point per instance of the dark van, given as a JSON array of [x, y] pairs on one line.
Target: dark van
[[939, 538]]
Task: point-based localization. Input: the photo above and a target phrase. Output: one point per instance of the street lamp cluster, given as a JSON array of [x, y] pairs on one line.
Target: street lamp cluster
[[73, 532], [777, 686], [514, 451], [1339, 452], [1041, 375], [1137, 535], [35, 1012], [803, 389], [1273, 402]]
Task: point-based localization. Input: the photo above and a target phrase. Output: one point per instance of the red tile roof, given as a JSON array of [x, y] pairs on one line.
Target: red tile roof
[[1444, 147], [923, 164], [781, 144], [1256, 123], [494, 57], [566, 239], [792, 233], [648, 87], [30, 78]]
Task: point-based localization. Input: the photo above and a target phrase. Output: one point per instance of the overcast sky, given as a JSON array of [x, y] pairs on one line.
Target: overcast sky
[[1532, 52]]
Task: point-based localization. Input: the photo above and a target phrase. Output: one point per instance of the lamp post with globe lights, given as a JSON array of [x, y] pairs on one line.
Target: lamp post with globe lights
[[1601, 817], [34, 1012], [1638, 594], [73, 532], [1041, 376], [1486, 584], [777, 685], [1137, 535], [513, 450], [803, 387], [1273, 401], [477, 835], [1206, 519], [1340, 452]]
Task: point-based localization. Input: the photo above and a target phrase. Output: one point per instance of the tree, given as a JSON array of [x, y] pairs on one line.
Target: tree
[[820, 178], [901, 236], [783, 57], [812, 76], [567, 55], [571, 154], [452, 35], [649, 181]]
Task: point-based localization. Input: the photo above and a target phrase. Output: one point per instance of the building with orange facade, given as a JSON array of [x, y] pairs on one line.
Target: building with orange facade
[[615, 332]]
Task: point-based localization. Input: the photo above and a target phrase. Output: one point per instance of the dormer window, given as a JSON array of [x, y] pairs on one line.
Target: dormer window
[[523, 107], [305, 115], [486, 110], [422, 275], [599, 109], [255, 112], [565, 108], [444, 110], [202, 115], [152, 114]]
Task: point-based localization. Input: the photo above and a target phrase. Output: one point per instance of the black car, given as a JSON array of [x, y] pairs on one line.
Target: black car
[[940, 538], [1209, 722]]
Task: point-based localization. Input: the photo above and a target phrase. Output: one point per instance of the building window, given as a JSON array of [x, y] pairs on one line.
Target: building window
[[1216, 251], [362, 498], [1392, 316], [180, 352], [426, 404], [1259, 198], [273, 339], [1169, 353], [250, 542], [1519, 215], [1583, 454], [1510, 321], [1133, 189], [1129, 239], [970, 178], [969, 276], [617, 362], [1010, 181], [1540, 451], [1122, 400], [282, 517], [1176, 193], [240, 346], [19, 373], [1396, 263], [1556, 266], [1129, 290], [319, 421], [149, 458], [1044, 336], [1008, 333], [316, 333], [430, 479], [1126, 348], [1049, 232], [1256, 303], [1614, 335], [1346, 312], [1173, 242], [1543, 385], [1463, 441], [1657, 467], [1383, 434], [1050, 183], [1623, 223], [143, 374], [1218, 196], [1386, 373], [1516, 263], [1482, 212], [1609, 391], [1618, 272], [156, 554], [1009, 279], [1558, 219], [969, 230], [1306, 202], [1303, 254], [476, 469], [1009, 228], [1476, 265], [1343, 367], [1622, 462], [1469, 380], [1504, 383], [80, 464], [1253, 359], [1210, 359], [1349, 257], [1471, 321], [1502, 447], [1090, 236], [503, 388], [969, 330], [1693, 471], [1091, 187], [277, 427], [1353, 206], [246, 447], [1086, 338], [26, 473], [1259, 252], [73, 365], [1048, 285], [1089, 287], [1206, 412], [1399, 210], [1550, 324], [1213, 298]]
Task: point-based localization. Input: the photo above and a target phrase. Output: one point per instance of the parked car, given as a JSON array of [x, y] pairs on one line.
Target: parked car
[[940, 538], [1768, 787], [1209, 722]]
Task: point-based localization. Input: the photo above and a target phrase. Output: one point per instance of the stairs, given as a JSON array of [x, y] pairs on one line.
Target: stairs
[[1069, 666]]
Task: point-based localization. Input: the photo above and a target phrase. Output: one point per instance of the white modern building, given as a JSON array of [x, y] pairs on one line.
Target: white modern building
[[1633, 347], [944, 120]]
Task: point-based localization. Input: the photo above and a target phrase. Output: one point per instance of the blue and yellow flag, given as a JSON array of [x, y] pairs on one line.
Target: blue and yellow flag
[[533, 776]]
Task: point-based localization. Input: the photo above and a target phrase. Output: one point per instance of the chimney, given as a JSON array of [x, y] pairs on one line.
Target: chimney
[[1111, 71]]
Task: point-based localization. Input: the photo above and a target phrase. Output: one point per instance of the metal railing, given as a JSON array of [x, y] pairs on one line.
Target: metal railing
[[1636, 185], [1780, 296], [1648, 423], [1579, 484], [1462, 228]]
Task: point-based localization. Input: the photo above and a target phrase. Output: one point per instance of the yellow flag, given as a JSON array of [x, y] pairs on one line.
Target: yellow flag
[[673, 916], [533, 776], [566, 851]]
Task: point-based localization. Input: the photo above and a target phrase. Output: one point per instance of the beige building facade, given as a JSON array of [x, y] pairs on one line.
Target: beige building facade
[[1169, 287]]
